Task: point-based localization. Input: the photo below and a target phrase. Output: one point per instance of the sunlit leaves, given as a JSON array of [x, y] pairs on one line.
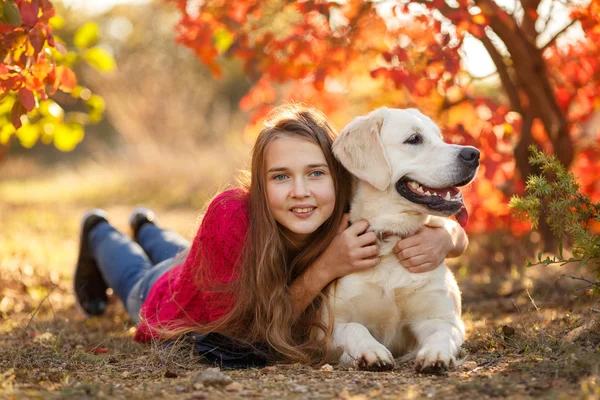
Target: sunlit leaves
[[35, 67], [86, 35], [321, 51], [100, 59]]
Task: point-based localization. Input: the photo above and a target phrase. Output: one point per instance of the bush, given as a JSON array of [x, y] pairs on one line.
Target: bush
[[555, 195]]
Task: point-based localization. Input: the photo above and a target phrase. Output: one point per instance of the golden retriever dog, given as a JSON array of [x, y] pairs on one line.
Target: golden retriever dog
[[406, 177]]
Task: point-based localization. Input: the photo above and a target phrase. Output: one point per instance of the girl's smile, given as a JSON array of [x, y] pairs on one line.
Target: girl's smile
[[300, 190]]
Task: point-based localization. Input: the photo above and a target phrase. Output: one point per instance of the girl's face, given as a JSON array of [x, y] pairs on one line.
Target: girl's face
[[300, 190]]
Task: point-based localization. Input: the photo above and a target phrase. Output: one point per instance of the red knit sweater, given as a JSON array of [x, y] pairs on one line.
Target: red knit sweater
[[175, 300]]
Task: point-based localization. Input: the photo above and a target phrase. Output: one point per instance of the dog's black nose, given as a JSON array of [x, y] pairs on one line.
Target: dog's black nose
[[470, 156]]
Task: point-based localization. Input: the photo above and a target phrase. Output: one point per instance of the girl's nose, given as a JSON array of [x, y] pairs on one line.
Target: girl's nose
[[300, 188]]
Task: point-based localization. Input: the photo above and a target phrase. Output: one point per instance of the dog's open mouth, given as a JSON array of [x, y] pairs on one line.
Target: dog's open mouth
[[448, 201]]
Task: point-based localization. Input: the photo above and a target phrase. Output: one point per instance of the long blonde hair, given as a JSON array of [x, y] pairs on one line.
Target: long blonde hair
[[268, 264]]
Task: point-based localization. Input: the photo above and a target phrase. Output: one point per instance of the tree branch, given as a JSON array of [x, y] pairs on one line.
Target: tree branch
[[558, 34], [528, 24], [507, 82], [590, 283], [447, 104], [549, 17]]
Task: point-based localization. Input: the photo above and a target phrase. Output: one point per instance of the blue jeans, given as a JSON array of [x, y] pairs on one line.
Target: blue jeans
[[131, 268]]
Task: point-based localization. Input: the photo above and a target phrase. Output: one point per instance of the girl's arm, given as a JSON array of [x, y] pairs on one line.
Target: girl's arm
[[350, 251]]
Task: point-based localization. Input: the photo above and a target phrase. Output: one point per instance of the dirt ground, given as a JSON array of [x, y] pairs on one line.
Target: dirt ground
[[521, 323]]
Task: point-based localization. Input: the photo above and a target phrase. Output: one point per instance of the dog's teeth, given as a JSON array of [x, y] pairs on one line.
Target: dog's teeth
[[414, 185], [427, 193], [420, 189], [448, 197]]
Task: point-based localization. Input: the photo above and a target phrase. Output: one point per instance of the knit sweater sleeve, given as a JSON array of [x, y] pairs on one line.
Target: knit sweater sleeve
[[176, 299], [220, 239]]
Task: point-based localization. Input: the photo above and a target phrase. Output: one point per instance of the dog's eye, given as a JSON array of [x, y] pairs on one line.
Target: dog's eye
[[414, 139]]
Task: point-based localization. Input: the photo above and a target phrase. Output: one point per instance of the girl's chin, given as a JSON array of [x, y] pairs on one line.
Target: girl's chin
[[301, 231]]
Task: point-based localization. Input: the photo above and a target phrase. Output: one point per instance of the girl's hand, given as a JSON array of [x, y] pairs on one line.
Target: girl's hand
[[351, 250], [425, 250]]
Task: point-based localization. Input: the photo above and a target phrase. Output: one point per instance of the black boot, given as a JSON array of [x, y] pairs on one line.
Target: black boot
[[139, 217], [88, 284]]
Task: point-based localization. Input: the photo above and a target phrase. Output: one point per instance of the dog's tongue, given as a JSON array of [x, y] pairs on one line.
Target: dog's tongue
[[462, 216]]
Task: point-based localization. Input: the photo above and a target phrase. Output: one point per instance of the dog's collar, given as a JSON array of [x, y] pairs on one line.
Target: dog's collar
[[384, 235]]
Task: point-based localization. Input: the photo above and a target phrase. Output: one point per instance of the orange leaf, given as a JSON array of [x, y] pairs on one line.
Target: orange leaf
[[480, 19], [67, 79]]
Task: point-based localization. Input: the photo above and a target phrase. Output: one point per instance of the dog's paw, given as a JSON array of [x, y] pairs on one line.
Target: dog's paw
[[434, 361], [375, 359]]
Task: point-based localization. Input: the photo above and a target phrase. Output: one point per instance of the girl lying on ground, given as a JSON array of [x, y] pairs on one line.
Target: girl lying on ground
[[262, 257]]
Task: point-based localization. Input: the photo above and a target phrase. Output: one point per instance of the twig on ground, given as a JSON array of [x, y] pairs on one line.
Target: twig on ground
[[38, 308], [521, 318], [531, 299]]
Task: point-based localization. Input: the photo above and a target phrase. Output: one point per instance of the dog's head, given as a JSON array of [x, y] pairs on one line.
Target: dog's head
[[404, 149]]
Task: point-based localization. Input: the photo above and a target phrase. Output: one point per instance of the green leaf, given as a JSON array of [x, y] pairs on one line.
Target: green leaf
[[6, 131], [583, 262], [86, 36], [100, 59], [57, 22], [560, 250], [28, 135], [67, 136], [223, 40], [11, 14], [540, 256]]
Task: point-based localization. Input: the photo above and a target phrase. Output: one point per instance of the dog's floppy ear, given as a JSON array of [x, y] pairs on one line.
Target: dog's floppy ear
[[360, 150]]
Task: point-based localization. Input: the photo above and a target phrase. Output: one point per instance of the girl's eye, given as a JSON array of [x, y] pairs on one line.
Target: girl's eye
[[317, 173], [414, 139], [279, 177]]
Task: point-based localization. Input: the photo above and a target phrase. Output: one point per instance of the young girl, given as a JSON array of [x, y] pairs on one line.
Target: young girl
[[262, 256]]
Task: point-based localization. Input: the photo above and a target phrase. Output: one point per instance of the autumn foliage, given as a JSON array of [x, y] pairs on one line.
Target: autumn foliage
[[35, 70], [407, 53]]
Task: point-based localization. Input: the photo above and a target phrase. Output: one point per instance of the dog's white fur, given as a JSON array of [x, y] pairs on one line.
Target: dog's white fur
[[387, 312]]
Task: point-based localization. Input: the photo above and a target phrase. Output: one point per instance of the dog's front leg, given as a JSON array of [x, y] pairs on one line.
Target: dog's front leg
[[439, 343], [361, 350]]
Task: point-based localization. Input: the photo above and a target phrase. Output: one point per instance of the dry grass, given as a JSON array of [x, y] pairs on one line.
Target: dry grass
[[47, 350]]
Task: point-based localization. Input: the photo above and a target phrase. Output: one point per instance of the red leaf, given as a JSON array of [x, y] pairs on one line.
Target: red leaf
[[29, 13], [15, 114], [97, 350], [27, 99], [37, 39]]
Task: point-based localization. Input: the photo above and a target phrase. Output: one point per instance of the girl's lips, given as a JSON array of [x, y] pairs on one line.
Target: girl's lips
[[304, 214]]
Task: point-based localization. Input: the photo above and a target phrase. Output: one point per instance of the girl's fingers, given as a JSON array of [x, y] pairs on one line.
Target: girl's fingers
[[408, 242], [366, 239], [422, 268], [415, 261], [358, 227], [368, 252], [409, 253]]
